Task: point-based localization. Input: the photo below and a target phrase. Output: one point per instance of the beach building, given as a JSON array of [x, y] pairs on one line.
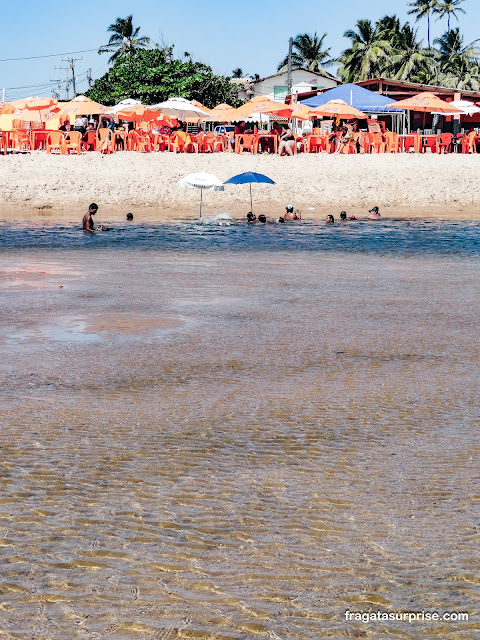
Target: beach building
[[275, 86], [400, 90]]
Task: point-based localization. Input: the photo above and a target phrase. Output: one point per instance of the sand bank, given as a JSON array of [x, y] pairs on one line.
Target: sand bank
[[39, 186]]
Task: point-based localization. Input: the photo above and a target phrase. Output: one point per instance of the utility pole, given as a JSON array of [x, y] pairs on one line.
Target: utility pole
[[289, 72], [67, 81], [72, 67], [89, 78], [59, 86]]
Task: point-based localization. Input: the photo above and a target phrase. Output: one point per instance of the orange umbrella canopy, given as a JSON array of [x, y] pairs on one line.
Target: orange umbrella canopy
[[219, 113], [138, 113], [35, 104], [338, 108], [200, 106], [82, 106], [298, 111], [33, 107], [257, 105], [6, 108], [425, 102]]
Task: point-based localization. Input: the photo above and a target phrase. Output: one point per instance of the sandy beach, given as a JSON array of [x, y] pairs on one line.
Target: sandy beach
[[35, 185]]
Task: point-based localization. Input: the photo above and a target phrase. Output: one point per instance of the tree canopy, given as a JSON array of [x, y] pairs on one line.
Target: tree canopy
[[390, 49], [154, 75], [124, 40]]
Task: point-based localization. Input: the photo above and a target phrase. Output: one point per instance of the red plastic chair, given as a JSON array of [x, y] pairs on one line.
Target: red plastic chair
[[444, 140], [245, 142], [90, 143], [21, 140]]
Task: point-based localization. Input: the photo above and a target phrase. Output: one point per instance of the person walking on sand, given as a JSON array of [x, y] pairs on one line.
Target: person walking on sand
[[87, 222]]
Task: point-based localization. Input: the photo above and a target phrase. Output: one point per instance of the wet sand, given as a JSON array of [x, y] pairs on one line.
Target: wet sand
[[41, 187], [237, 445]]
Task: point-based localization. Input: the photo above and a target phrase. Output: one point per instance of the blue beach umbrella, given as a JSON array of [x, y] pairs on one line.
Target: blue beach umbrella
[[247, 178]]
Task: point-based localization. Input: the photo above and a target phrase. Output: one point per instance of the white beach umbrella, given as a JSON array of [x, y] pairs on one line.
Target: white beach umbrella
[[468, 108], [124, 105], [180, 108], [201, 181]]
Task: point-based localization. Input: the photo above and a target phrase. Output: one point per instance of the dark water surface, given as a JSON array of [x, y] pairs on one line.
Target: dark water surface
[[232, 433], [384, 237]]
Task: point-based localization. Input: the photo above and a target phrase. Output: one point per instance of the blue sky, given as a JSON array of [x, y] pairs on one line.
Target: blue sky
[[251, 35]]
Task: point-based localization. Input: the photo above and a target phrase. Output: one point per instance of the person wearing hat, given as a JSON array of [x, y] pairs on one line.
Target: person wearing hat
[[374, 214], [291, 214]]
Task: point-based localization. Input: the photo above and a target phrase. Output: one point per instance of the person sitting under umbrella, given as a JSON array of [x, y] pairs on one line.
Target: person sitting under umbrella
[[287, 142]]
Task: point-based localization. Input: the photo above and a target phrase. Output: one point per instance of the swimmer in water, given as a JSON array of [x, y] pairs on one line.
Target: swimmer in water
[[280, 220], [129, 216], [343, 216], [262, 218], [87, 221], [374, 214], [329, 219], [291, 214], [251, 218]]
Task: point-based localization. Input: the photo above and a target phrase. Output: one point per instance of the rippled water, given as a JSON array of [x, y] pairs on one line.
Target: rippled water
[[221, 233], [239, 433]]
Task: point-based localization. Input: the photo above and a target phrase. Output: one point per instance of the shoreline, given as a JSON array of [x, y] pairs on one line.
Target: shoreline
[[38, 187]]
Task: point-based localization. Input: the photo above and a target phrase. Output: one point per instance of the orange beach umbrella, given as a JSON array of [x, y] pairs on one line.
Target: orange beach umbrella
[[138, 113], [298, 111], [35, 107], [219, 113], [425, 102], [257, 105], [82, 106], [338, 108], [6, 108]]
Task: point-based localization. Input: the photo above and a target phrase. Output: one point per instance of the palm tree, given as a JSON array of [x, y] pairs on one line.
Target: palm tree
[[308, 52], [237, 73], [456, 58], [125, 40], [410, 57], [448, 8], [423, 9], [368, 55]]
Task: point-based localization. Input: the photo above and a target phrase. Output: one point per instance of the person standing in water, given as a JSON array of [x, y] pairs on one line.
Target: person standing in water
[[87, 222], [373, 214]]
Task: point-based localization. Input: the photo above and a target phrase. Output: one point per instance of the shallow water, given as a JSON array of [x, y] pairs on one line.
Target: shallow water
[[242, 438], [222, 233]]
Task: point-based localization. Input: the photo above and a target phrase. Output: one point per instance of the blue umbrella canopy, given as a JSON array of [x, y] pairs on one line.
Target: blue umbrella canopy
[[247, 178]]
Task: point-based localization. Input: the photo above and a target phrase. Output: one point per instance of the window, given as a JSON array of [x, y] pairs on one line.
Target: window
[[280, 92]]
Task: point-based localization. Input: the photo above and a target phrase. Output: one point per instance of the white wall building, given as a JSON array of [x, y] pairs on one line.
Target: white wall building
[[303, 80]]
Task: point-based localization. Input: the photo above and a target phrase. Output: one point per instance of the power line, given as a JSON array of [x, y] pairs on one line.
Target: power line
[[50, 55]]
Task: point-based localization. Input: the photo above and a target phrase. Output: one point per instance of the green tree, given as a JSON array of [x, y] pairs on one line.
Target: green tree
[[423, 9], [237, 73], [308, 52], [410, 58], [458, 61], [125, 40], [368, 55], [154, 75], [448, 8]]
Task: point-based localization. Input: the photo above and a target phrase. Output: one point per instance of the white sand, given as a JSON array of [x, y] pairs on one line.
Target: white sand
[[37, 185]]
